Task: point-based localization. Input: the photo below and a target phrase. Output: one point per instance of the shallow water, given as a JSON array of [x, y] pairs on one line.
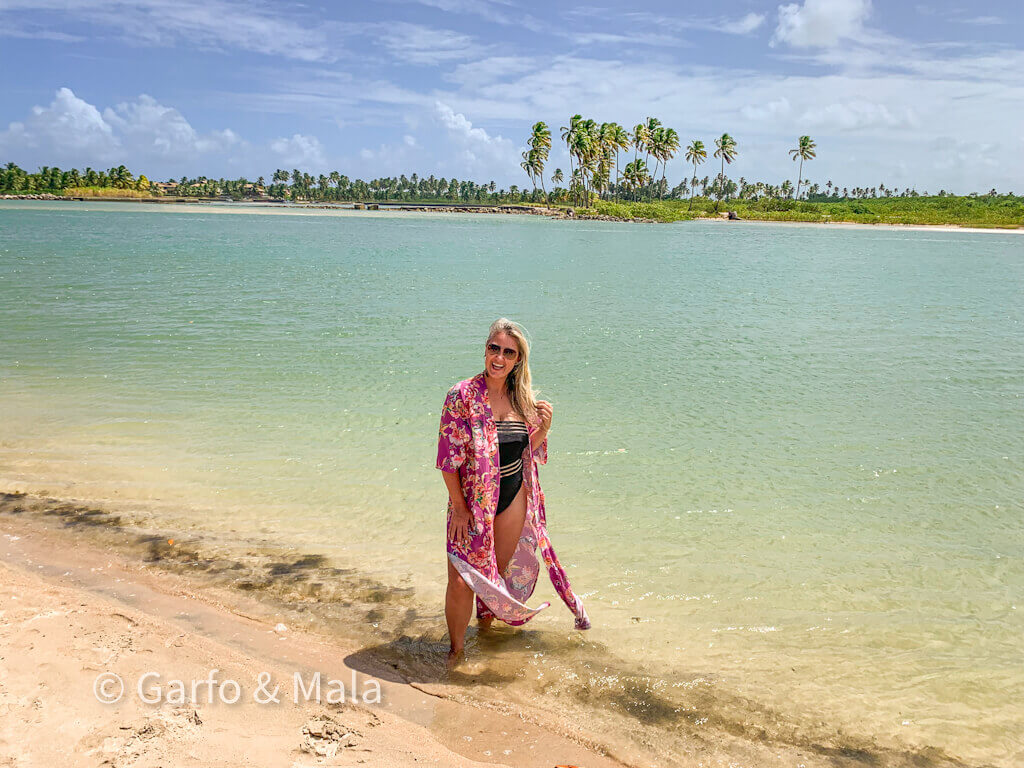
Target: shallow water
[[785, 468]]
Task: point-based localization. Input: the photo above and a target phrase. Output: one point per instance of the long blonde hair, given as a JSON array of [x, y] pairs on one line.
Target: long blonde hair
[[517, 383]]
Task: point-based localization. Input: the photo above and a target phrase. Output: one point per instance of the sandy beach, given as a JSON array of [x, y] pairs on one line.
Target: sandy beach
[[75, 612], [412, 210], [120, 661]]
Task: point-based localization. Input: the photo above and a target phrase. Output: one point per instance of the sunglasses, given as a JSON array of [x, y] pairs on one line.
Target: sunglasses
[[510, 354]]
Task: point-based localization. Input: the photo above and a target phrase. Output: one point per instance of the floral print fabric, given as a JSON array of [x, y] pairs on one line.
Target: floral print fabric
[[468, 445]]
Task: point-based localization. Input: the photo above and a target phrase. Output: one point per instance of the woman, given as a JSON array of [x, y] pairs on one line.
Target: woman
[[493, 434]]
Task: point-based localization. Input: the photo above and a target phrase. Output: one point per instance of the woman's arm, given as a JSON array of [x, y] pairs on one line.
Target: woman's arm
[[452, 442], [539, 437], [454, 484], [462, 518]]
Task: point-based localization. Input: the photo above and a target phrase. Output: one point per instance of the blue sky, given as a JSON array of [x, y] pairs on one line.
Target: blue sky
[[926, 94]]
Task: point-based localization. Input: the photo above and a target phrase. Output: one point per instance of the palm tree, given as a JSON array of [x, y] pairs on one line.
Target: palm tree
[[540, 146], [805, 151], [557, 177], [570, 135], [540, 138], [726, 150], [606, 152], [665, 146], [695, 153], [618, 139], [635, 175], [639, 137], [588, 147], [652, 125], [527, 165]]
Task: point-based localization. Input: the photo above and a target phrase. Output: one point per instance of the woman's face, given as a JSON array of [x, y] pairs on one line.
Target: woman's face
[[500, 354]]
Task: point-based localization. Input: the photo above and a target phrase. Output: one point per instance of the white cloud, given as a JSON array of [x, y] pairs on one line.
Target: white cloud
[[145, 134], [392, 159], [35, 32], [474, 74], [741, 26], [820, 23], [416, 44], [212, 24], [478, 150], [69, 130], [767, 112], [856, 115], [496, 11], [623, 38], [303, 152], [865, 122], [745, 25], [164, 130]]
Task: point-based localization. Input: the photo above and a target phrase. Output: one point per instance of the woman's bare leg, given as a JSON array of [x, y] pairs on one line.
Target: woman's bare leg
[[508, 528], [458, 610]]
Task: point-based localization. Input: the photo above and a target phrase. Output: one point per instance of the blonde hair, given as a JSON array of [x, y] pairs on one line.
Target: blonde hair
[[518, 383]]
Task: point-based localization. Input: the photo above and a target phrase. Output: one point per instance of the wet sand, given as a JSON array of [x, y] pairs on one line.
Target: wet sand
[[74, 610], [88, 591]]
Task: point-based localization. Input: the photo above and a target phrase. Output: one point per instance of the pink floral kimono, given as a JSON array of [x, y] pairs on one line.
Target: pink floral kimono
[[468, 444]]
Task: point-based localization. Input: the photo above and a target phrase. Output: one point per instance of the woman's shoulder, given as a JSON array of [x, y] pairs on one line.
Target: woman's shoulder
[[465, 386]]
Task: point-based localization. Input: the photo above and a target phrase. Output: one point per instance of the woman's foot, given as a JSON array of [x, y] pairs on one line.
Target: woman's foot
[[484, 623], [454, 657]]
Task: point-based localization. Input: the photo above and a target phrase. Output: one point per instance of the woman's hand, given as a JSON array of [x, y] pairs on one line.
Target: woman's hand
[[545, 412], [458, 528]]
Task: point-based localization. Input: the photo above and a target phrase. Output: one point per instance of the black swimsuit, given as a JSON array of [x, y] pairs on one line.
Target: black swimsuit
[[513, 437]]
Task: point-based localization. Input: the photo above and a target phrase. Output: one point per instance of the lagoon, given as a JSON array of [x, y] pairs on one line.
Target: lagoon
[[786, 465]]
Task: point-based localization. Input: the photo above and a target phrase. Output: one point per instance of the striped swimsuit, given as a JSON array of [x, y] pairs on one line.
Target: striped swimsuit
[[513, 437]]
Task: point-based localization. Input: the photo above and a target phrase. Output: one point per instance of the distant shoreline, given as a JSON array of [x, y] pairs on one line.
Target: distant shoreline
[[561, 213]]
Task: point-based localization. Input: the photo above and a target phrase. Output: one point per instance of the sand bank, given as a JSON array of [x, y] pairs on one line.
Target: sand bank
[[73, 612], [412, 209], [856, 225]]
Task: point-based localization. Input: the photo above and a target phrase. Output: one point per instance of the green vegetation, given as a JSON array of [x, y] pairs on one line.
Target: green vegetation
[[594, 190], [805, 151], [15, 181], [104, 192], [973, 211], [537, 156]]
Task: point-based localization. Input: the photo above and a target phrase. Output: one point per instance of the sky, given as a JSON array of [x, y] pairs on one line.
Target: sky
[[928, 95]]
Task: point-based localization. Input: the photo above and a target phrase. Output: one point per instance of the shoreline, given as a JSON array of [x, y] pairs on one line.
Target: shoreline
[[857, 225], [264, 613], [76, 609], [554, 213]]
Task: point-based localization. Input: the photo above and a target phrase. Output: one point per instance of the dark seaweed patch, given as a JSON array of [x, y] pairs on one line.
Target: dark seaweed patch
[[73, 515], [10, 503]]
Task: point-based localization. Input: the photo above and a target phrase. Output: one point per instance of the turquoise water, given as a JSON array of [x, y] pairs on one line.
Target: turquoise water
[[785, 460]]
